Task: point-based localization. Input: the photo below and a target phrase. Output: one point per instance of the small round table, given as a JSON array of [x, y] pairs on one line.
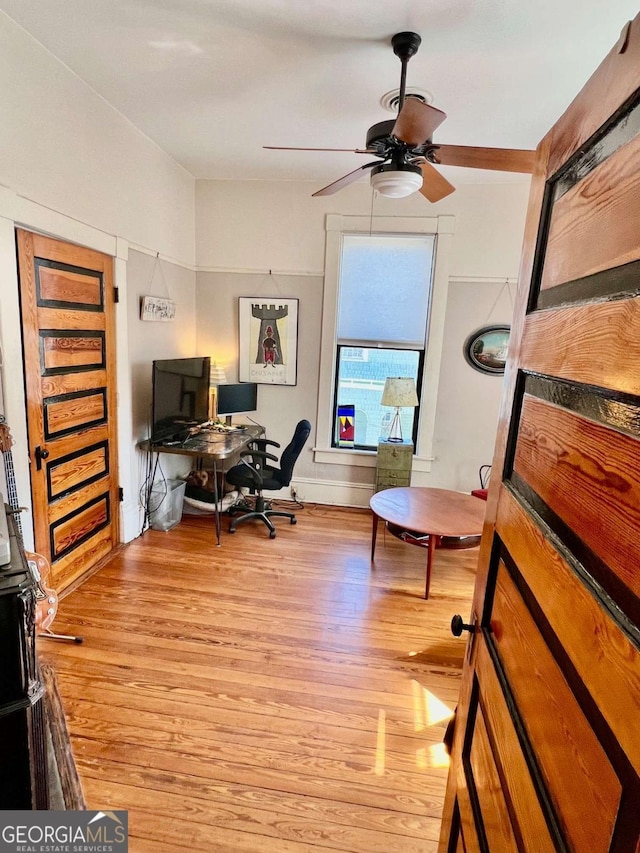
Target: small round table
[[424, 516]]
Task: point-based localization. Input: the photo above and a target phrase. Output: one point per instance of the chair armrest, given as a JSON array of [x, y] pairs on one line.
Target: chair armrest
[[261, 443], [260, 454]]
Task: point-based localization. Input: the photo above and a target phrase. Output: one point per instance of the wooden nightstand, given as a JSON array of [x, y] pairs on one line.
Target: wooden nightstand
[[393, 466]]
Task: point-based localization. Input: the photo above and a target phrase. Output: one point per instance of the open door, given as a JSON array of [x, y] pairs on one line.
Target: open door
[[546, 752]]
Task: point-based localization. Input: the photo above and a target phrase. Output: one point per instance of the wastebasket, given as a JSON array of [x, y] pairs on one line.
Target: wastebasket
[[165, 504]]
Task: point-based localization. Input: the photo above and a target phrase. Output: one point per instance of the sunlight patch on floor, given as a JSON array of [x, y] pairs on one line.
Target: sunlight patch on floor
[[380, 742], [427, 708]]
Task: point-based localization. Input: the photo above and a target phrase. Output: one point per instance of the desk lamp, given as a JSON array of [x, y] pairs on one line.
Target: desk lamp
[[217, 376], [399, 391]]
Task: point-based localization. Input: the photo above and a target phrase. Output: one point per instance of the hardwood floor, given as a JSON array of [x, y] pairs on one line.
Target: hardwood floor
[[268, 695]]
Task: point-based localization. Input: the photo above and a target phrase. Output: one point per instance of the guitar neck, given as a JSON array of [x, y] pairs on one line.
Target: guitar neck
[[12, 491]]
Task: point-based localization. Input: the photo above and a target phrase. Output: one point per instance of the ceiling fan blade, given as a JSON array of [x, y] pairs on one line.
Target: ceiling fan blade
[[345, 180], [499, 159], [289, 148], [416, 122], [434, 185]]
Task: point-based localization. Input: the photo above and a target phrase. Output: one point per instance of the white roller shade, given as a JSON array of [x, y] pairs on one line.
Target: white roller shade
[[385, 289]]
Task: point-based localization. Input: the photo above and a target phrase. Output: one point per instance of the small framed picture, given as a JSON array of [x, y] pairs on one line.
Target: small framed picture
[[268, 340], [486, 349], [346, 425], [156, 308]]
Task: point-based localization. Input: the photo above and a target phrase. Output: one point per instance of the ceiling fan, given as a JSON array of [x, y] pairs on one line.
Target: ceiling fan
[[406, 150]]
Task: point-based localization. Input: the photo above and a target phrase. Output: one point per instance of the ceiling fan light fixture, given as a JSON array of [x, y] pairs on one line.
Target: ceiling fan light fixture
[[396, 180]]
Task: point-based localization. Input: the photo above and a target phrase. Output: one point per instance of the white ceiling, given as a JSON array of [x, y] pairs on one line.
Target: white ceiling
[[211, 81]]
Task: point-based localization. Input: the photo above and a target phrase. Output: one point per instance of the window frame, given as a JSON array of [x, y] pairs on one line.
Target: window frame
[[420, 373], [336, 226]]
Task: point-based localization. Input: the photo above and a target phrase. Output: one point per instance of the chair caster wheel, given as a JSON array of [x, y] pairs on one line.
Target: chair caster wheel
[[272, 534], [294, 521], [232, 530]]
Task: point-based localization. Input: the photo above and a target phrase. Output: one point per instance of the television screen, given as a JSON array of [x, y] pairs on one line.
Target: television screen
[[180, 395], [237, 399]]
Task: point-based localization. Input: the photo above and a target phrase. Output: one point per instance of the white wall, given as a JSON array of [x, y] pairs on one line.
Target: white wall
[[468, 401], [263, 225], [74, 168], [64, 147], [245, 229]]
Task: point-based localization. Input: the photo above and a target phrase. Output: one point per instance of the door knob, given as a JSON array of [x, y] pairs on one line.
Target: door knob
[[41, 453], [458, 626]]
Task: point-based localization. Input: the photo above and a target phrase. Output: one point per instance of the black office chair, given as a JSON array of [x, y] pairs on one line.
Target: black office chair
[[256, 474]]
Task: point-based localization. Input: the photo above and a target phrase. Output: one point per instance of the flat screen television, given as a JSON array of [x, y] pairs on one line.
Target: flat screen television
[[237, 399], [180, 396]]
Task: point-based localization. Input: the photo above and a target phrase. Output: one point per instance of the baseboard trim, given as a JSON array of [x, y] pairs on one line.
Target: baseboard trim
[[328, 492]]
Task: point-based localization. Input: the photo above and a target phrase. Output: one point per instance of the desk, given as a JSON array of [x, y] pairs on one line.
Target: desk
[[423, 516], [211, 447]]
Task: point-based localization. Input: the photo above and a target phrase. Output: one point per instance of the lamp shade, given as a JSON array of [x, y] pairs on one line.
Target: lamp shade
[[396, 180], [399, 391], [217, 376]]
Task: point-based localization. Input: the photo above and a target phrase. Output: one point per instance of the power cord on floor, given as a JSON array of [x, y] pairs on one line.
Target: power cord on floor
[[296, 501]]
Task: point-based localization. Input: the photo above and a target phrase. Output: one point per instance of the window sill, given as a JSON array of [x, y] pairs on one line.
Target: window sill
[[342, 456], [362, 458]]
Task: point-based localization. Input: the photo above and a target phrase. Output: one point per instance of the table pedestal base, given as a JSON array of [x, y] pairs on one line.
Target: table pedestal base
[[424, 540]]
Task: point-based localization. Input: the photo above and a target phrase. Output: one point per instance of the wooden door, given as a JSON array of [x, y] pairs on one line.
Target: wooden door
[[67, 302], [546, 751]]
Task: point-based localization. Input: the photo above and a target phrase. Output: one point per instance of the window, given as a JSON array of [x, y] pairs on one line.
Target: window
[[348, 347], [383, 303]]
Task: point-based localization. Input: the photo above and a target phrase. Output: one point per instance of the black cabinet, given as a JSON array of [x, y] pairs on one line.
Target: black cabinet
[[23, 762]]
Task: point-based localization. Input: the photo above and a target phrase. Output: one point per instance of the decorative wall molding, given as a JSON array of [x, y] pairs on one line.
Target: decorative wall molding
[[249, 271], [479, 279]]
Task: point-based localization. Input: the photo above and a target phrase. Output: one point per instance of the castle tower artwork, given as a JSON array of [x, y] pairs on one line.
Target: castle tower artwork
[[269, 347], [268, 340]]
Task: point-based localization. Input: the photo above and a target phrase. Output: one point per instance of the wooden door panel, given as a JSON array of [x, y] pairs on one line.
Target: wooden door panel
[[577, 773], [529, 821], [69, 345], [70, 318], [491, 799], [66, 351], [58, 385], [85, 554], [466, 816], [70, 413], [565, 458], [73, 502], [589, 344], [554, 666], [582, 214], [79, 525], [77, 470], [60, 285], [605, 657]]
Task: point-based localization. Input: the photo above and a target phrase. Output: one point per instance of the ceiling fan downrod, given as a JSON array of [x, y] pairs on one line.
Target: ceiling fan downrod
[[405, 45]]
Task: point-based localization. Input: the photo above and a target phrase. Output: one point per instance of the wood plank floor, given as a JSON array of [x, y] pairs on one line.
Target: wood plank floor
[[268, 695]]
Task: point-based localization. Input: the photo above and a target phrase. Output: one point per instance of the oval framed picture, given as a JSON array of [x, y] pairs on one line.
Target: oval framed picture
[[486, 349]]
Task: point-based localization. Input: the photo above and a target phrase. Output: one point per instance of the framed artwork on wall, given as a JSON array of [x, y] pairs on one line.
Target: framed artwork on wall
[[268, 340], [156, 308], [486, 349], [346, 425]]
